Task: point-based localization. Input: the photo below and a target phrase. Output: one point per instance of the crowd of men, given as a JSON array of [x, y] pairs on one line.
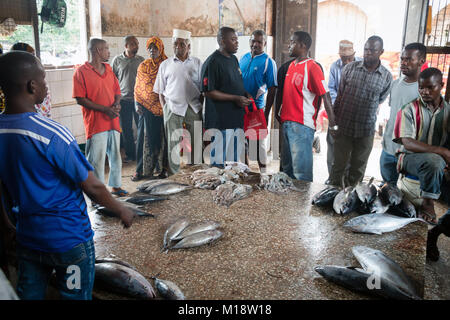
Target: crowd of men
[[175, 102]]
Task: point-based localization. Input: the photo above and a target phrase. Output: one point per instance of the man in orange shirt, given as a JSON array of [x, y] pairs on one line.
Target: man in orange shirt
[[96, 89]]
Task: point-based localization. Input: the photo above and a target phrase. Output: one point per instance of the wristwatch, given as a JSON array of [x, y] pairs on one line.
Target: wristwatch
[[333, 128]]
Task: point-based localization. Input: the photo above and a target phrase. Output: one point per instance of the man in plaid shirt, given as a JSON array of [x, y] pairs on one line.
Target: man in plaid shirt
[[364, 86]]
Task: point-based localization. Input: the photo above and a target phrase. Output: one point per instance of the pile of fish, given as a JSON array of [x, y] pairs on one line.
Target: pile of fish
[[137, 210], [366, 198], [279, 183], [122, 278], [184, 234], [380, 276], [162, 187], [212, 177], [229, 192]]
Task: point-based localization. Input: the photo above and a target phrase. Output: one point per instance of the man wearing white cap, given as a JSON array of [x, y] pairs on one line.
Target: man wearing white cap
[[178, 86], [347, 55]]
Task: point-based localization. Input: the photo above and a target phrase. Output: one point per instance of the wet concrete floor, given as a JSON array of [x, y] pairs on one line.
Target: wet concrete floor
[[270, 246]]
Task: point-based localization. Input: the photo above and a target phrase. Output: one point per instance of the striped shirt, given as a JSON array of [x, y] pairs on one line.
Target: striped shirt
[[360, 93], [416, 121], [42, 173]]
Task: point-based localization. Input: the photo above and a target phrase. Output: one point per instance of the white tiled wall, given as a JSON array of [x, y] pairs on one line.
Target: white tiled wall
[[64, 109]]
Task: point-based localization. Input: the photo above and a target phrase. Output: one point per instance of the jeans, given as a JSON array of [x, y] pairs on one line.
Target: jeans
[[75, 272], [350, 151], [429, 168], [388, 167], [297, 156], [127, 114], [154, 127], [230, 148], [100, 145]]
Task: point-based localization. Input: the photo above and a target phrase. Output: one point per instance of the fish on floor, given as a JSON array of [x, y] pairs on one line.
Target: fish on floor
[[168, 289], [404, 209], [198, 239], [174, 230], [366, 191], [197, 227], [325, 197], [123, 280], [378, 223], [389, 193], [167, 188], [142, 200], [137, 210]]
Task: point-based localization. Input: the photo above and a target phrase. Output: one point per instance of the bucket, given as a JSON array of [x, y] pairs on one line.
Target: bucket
[[410, 189]]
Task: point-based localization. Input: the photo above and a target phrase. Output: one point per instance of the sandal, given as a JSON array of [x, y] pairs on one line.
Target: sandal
[[120, 193], [137, 177], [427, 217]]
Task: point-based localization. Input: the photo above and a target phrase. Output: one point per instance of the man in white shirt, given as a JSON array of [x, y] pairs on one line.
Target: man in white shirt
[[178, 86]]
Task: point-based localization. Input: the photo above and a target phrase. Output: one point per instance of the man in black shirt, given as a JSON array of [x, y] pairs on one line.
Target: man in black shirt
[[225, 99]]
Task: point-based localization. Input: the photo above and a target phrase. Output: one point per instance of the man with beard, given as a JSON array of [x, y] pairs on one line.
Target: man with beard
[[364, 86], [403, 91], [96, 89], [226, 99], [178, 85], [125, 67]]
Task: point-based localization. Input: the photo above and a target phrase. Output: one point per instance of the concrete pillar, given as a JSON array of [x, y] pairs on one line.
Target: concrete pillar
[[415, 21]]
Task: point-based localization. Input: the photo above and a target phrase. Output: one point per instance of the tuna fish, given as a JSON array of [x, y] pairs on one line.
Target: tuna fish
[[345, 201], [366, 191], [378, 223], [114, 260], [123, 280], [404, 209], [142, 200], [167, 188], [359, 280], [377, 262], [197, 227], [389, 193], [378, 206], [198, 239], [325, 197], [168, 290], [136, 209], [174, 230]]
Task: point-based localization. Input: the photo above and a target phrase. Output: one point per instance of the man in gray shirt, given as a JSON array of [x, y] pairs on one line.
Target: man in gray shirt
[[125, 68], [403, 90]]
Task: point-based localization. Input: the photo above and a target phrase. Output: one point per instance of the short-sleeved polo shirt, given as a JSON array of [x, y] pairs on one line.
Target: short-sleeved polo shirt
[[100, 89], [223, 74]]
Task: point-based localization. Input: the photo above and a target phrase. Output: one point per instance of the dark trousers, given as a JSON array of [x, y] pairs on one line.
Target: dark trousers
[[350, 151], [154, 127], [126, 116]]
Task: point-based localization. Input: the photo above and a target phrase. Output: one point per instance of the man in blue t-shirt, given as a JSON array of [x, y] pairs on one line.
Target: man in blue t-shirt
[[259, 73], [44, 175]]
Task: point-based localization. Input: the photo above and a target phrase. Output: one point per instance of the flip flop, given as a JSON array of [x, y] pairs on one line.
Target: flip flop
[[423, 214], [120, 193]]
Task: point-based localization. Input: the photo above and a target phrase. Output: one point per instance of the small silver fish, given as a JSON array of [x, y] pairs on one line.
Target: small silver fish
[[197, 227], [168, 289], [174, 230], [198, 239], [378, 223], [168, 188]]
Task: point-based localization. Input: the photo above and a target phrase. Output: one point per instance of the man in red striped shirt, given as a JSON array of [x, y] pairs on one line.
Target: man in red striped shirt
[[304, 88]]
